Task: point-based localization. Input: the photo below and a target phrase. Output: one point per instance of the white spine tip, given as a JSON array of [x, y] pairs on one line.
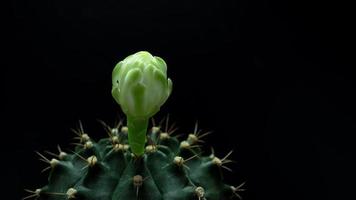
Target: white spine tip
[[92, 160], [88, 145], [155, 129], [84, 138], [124, 129], [71, 192], [126, 147], [54, 162], [151, 148], [114, 131], [119, 147], [200, 192], [137, 180], [184, 145], [192, 139], [38, 191], [62, 155], [178, 160], [115, 139], [164, 136], [217, 161]]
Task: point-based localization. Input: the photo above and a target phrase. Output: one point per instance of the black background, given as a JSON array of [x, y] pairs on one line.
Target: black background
[[273, 79]]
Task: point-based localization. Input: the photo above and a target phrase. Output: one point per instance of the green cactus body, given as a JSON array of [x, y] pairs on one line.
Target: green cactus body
[[133, 163], [108, 170]]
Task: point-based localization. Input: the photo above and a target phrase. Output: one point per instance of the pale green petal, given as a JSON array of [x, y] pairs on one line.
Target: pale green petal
[[161, 64]]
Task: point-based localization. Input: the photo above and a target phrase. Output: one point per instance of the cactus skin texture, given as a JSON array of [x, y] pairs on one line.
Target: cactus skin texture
[[133, 165], [107, 170]]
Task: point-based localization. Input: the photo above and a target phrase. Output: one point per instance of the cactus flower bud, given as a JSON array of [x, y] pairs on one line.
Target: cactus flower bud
[[140, 84]]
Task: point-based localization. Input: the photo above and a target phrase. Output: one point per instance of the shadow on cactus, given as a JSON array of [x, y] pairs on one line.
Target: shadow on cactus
[[135, 162]]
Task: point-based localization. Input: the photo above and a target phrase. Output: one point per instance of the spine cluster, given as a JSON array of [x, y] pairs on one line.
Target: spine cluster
[[169, 169]]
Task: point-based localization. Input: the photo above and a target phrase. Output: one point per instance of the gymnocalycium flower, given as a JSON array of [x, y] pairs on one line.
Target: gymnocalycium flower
[[140, 86]]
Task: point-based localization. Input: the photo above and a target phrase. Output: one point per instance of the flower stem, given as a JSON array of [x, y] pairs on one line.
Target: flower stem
[[137, 134]]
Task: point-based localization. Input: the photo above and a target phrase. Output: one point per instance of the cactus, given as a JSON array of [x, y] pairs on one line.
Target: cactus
[[133, 162]]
